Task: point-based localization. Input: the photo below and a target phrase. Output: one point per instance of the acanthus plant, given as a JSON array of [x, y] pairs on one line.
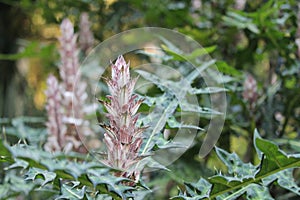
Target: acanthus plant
[[70, 125], [123, 138]]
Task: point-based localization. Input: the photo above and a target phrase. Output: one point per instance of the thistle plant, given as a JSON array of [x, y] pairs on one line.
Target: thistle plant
[[122, 137]]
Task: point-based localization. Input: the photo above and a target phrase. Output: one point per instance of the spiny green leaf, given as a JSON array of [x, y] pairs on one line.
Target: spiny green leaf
[[189, 107], [98, 197], [258, 151], [72, 191], [33, 173], [258, 192], [173, 123], [235, 165], [106, 179], [120, 189], [17, 185], [253, 191], [249, 179], [198, 190], [18, 163], [52, 167], [23, 131], [141, 194], [285, 179], [274, 159], [207, 90]]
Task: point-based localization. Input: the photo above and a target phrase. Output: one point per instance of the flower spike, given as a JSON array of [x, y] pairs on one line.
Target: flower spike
[[122, 138]]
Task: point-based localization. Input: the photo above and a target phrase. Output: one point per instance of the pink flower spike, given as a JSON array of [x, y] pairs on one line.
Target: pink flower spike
[[122, 138], [56, 128], [250, 91], [86, 37]]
